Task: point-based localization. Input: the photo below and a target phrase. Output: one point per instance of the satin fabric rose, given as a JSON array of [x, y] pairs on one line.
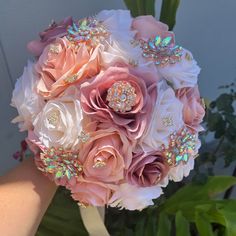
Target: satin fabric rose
[[25, 99], [166, 118], [91, 192], [95, 104], [55, 30], [183, 73], [148, 27], [193, 110], [106, 155], [60, 122], [132, 197], [147, 169], [60, 62]]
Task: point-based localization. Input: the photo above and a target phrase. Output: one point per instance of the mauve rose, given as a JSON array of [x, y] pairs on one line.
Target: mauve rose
[[91, 193], [60, 61], [193, 110], [55, 30], [148, 27], [147, 169], [95, 104], [106, 155]]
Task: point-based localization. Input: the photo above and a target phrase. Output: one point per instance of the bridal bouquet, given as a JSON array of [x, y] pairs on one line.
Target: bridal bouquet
[[112, 108]]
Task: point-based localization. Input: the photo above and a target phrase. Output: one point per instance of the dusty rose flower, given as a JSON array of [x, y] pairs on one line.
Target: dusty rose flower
[[61, 65], [148, 27], [106, 155], [134, 120], [147, 169], [55, 30], [193, 110], [91, 193]]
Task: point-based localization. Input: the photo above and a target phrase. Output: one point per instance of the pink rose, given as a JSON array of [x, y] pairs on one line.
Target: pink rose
[[55, 30], [147, 169], [148, 27], [91, 193], [106, 155], [61, 65], [94, 99], [193, 110]]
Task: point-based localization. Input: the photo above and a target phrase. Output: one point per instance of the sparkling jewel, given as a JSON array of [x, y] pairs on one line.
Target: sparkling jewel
[[55, 48], [167, 121], [70, 79], [60, 163], [161, 50], [88, 30], [53, 118], [84, 137], [99, 163], [121, 96], [182, 145]]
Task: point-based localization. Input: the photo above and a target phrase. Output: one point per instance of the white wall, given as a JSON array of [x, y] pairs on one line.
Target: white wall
[[206, 27]]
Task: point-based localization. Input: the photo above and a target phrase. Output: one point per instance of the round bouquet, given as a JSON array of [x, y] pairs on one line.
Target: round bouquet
[[111, 107]]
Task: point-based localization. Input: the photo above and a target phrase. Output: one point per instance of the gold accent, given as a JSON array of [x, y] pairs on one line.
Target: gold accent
[[188, 57], [70, 79], [167, 121], [53, 118], [55, 48]]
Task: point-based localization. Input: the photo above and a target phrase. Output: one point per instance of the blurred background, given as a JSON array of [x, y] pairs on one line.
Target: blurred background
[[204, 27]]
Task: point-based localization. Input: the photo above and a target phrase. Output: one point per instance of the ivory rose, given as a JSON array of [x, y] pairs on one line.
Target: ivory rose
[[95, 104], [25, 99], [193, 110], [55, 30], [147, 169], [132, 197], [182, 74], [166, 118], [61, 64], [106, 155], [60, 122]]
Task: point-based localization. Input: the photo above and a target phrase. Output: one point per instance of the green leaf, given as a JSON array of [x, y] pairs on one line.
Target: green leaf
[[181, 225], [168, 12], [164, 225], [141, 7], [203, 225], [224, 103], [194, 192]]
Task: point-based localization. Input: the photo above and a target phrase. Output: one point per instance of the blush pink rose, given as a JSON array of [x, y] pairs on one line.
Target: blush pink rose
[[55, 30], [193, 110], [92, 193], [106, 155], [95, 104], [147, 169], [148, 27], [61, 61]]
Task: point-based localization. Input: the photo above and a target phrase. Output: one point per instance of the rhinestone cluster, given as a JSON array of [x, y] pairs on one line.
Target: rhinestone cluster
[[88, 30], [161, 50], [182, 145], [60, 163], [121, 96]]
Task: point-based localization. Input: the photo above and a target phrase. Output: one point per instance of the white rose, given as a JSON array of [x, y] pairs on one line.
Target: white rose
[[25, 99], [118, 46], [132, 197], [166, 118], [59, 123], [182, 74]]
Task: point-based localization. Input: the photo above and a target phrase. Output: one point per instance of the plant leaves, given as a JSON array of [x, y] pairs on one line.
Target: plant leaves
[[181, 225], [203, 225], [164, 225], [168, 12]]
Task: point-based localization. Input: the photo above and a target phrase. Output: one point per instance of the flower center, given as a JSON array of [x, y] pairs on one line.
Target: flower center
[[121, 96], [53, 118]]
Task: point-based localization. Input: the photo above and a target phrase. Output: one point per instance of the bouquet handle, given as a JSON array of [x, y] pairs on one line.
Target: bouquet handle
[[93, 219]]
